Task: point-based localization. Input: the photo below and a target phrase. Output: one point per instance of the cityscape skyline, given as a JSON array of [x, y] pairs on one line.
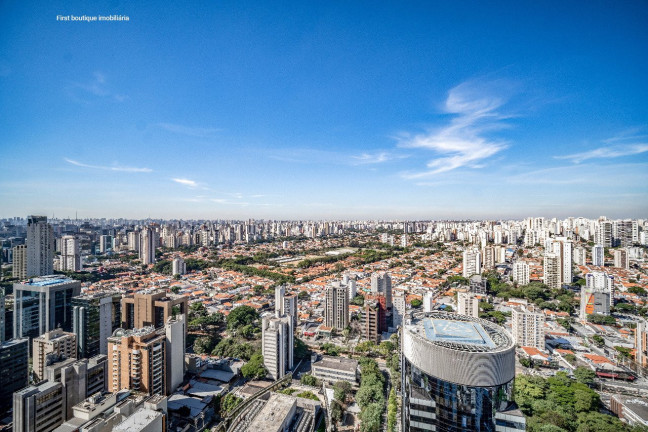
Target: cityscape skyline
[[421, 111]]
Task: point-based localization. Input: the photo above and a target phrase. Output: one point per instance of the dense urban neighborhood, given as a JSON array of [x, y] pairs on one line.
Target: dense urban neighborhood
[[536, 324]]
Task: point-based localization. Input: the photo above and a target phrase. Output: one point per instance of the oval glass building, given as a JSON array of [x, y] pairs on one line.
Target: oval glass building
[[457, 374]]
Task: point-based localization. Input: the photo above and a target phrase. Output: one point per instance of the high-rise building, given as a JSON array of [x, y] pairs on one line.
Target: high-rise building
[[528, 327], [381, 283], [597, 294], [399, 307], [488, 252], [641, 343], [176, 331], [350, 282], [134, 241], [336, 312], [105, 243], [521, 272], [70, 259], [43, 304], [179, 266], [147, 246], [277, 344], [621, 259], [3, 317], [14, 370], [286, 304], [471, 263], [428, 301], [457, 374], [137, 361], [603, 234], [19, 269], [79, 378], [40, 247], [54, 344], [374, 317], [580, 256], [552, 273], [94, 319], [625, 230], [150, 308], [468, 304], [39, 408], [598, 255], [563, 248]]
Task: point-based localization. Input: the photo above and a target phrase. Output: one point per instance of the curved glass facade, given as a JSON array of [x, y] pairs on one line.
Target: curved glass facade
[[432, 404]]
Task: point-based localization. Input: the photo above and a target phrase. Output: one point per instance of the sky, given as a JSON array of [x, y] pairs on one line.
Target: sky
[[324, 110]]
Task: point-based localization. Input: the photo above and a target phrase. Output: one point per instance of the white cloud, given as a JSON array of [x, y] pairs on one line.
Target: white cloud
[[197, 132], [376, 158], [109, 168], [607, 152], [464, 142], [185, 182], [96, 88]]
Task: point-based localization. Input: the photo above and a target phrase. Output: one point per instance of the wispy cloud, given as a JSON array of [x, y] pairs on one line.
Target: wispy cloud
[[612, 151], [198, 132], [185, 182], [115, 167], [95, 88], [376, 158], [465, 141]]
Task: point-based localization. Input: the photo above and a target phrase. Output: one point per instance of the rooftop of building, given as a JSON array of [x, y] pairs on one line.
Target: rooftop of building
[[274, 413], [46, 281], [53, 335], [459, 332], [338, 363], [140, 419]]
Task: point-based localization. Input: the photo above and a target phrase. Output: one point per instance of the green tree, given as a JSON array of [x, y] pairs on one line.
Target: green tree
[[309, 380], [254, 368], [416, 303], [584, 375], [241, 316], [228, 403], [371, 417], [203, 345]]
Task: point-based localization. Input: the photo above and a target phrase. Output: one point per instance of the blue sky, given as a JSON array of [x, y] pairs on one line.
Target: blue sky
[[407, 110]]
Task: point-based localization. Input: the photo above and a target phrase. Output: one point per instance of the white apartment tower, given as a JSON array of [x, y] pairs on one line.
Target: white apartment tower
[[552, 273], [521, 272], [468, 304], [147, 246], [563, 248], [603, 234], [528, 327], [471, 263], [277, 345], [40, 246], [179, 266], [580, 255], [70, 254]]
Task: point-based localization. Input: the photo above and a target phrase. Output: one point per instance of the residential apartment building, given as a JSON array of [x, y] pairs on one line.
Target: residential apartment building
[[598, 255], [468, 304], [40, 247], [19, 269], [552, 270], [137, 361], [277, 344], [521, 272], [528, 327], [336, 312], [621, 259], [54, 344], [70, 259], [471, 263]]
